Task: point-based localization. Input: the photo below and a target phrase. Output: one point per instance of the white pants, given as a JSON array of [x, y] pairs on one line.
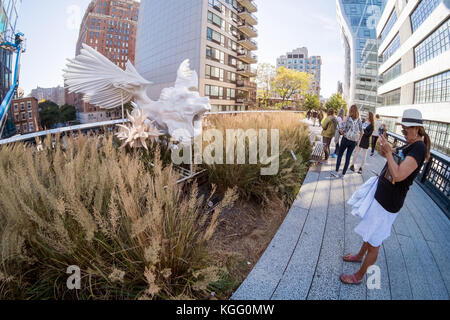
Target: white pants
[[356, 154]]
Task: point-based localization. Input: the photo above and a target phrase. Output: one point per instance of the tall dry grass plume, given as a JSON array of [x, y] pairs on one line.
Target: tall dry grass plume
[[247, 177], [134, 233]]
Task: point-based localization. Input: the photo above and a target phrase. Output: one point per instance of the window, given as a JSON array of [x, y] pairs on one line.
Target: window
[[422, 12], [29, 105], [24, 116], [435, 44], [392, 72], [392, 48], [30, 115], [31, 127], [22, 106], [434, 89], [392, 20], [216, 20], [391, 98], [16, 107]]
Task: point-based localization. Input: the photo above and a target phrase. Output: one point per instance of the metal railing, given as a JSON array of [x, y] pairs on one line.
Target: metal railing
[[434, 176]]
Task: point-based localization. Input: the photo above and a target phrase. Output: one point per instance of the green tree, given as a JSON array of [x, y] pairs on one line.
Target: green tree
[[67, 113], [336, 102], [265, 74], [49, 114], [312, 102], [290, 83]]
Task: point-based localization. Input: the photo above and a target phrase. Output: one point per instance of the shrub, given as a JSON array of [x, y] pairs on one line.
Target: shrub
[[135, 234], [247, 178]]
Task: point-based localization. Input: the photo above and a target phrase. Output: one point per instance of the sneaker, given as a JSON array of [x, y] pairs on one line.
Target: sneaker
[[360, 171], [371, 154], [334, 174], [333, 155], [352, 167]]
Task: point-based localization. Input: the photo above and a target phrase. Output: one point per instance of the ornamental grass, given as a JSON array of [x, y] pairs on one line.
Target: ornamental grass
[[133, 232], [247, 178]]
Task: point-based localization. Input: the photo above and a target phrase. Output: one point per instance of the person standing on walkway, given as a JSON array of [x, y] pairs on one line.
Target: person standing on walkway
[[329, 126], [352, 131], [308, 114], [363, 144], [337, 136], [314, 117], [380, 199], [320, 117], [376, 133]]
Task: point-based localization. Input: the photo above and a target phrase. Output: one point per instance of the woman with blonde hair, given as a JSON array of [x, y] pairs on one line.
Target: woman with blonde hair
[[364, 143], [380, 199], [352, 131]]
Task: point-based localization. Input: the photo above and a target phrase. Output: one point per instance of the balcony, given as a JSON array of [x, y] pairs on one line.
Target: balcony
[[246, 85], [250, 18], [247, 43], [246, 71], [249, 4], [247, 57], [248, 30]]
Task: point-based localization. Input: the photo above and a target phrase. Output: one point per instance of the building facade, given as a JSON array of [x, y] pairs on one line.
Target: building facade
[[299, 60], [56, 95], [110, 28], [26, 115], [217, 37], [8, 22], [415, 50], [357, 20]]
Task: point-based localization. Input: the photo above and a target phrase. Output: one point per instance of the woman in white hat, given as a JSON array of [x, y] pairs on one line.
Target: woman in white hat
[[379, 200]]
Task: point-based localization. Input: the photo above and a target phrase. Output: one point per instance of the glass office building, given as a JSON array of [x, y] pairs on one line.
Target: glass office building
[[358, 20], [8, 20]]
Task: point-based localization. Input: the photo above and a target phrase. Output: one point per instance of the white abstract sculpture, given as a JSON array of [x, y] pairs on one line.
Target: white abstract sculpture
[[139, 131], [179, 112]]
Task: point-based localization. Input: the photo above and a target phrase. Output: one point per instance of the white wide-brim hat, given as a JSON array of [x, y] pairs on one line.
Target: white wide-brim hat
[[411, 118]]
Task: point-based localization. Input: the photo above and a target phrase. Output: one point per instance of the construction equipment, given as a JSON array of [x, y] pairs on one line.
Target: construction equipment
[[16, 45]]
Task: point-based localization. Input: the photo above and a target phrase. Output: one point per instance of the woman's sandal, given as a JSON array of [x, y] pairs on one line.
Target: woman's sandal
[[351, 258], [351, 279]]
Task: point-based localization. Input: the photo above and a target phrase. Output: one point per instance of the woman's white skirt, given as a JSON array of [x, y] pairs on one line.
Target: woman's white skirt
[[376, 223]]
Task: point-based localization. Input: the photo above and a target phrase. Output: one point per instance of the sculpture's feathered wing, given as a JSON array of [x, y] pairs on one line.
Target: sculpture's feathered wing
[[102, 83], [186, 77]]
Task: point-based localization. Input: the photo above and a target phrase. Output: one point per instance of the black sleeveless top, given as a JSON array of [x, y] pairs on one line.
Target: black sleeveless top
[[392, 196]]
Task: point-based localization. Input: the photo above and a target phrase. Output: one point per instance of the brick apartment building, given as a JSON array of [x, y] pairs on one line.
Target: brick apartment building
[[110, 28], [26, 115]]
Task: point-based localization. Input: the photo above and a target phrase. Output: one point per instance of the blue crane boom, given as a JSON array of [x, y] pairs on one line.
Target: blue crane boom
[[16, 46]]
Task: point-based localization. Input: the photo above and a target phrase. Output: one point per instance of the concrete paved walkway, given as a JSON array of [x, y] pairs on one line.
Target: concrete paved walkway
[[304, 260]]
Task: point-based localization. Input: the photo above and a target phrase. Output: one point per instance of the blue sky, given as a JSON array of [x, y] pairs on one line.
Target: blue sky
[[51, 29]]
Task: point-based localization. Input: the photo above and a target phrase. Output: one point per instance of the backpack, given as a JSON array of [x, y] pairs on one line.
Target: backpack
[[354, 132]]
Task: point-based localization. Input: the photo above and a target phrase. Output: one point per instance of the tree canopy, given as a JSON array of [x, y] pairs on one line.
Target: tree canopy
[[312, 102], [290, 83], [336, 102], [51, 114]]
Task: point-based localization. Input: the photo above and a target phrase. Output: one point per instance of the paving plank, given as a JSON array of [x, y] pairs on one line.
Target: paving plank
[[422, 224], [384, 292], [397, 273], [353, 241], [265, 276], [432, 273], [419, 285], [431, 214], [440, 232], [442, 260], [306, 194], [326, 283], [296, 281]]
